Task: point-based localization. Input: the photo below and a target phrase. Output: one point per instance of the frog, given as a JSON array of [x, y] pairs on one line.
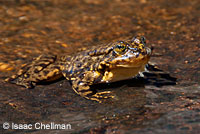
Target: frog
[[104, 63]]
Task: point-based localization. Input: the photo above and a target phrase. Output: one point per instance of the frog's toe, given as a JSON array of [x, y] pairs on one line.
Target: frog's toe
[[99, 97], [104, 95], [29, 85]]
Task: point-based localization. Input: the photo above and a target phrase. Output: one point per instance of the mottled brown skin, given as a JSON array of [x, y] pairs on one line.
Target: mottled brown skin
[[101, 64]]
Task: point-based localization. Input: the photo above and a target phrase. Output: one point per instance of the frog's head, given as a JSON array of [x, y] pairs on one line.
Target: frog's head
[[132, 53], [127, 59]]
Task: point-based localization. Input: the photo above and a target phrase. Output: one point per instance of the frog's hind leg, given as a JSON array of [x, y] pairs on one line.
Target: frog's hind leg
[[43, 68]]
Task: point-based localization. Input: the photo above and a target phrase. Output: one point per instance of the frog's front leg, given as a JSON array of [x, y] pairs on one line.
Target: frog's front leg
[[81, 85]]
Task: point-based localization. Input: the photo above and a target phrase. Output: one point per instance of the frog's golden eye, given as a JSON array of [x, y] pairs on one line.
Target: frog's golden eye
[[120, 48]]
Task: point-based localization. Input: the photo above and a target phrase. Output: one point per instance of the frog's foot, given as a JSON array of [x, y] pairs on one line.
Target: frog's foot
[[20, 81], [101, 96], [83, 89]]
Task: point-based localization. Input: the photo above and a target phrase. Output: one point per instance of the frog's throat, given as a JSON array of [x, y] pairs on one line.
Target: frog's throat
[[122, 73]]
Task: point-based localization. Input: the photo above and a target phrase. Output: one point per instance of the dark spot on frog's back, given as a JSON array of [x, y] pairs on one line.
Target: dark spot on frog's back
[[43, 65], [36, 71], [45, 72]]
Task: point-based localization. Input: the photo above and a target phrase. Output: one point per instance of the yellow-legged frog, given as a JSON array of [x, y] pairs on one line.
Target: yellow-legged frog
[[105, 63]]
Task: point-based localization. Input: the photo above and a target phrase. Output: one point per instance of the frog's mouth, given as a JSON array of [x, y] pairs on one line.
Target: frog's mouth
[[134, 63]]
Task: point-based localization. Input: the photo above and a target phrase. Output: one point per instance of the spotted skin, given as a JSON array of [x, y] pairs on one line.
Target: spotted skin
[[101, 64]]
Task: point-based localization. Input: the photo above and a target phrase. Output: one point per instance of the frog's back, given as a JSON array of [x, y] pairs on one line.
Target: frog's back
[[86, 60]]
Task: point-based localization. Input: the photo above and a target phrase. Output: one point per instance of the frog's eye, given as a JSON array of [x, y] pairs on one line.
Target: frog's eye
[[120, 48]]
